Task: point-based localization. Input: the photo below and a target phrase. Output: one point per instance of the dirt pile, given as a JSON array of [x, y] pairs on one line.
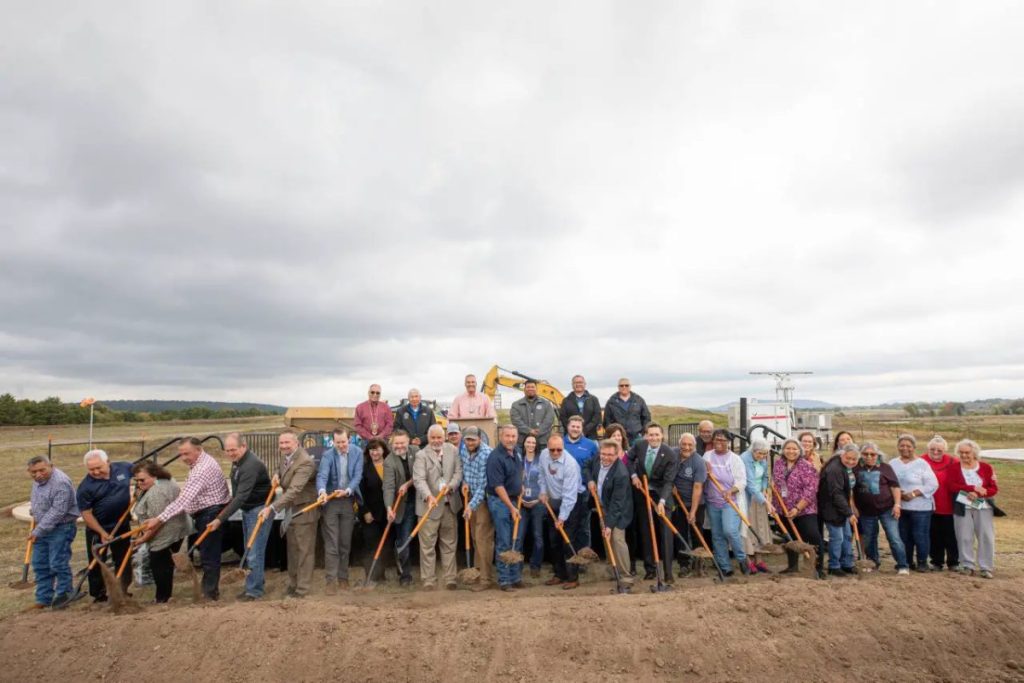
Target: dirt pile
[[883, 628]]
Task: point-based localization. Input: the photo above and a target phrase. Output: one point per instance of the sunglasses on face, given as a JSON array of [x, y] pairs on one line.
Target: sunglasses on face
[[554, 450], [623, 386]]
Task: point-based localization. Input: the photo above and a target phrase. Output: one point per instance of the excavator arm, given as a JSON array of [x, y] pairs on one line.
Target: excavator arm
[[515, 380]]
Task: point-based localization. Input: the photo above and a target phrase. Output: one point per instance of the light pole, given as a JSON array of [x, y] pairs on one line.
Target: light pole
[[89, 401]]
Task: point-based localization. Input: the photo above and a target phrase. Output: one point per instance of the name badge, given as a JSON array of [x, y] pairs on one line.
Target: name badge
[[527, 493], [784, 491]]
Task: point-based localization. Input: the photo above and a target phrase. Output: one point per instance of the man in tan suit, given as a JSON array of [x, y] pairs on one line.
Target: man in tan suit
[[297, 475], [438, 465]]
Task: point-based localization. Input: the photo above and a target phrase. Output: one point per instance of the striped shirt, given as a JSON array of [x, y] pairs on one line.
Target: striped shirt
[[53, 503], [474, 473], [205, 487]]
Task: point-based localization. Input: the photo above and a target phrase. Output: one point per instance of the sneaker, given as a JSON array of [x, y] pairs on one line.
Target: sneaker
[[650, 575], [507, 588], [762, 568], [745, 569], [963, 570], [245, 597], [921, 570], [935, 568], [849, 571], [838, 572], [903, 572], [429, 587], [986, 574]]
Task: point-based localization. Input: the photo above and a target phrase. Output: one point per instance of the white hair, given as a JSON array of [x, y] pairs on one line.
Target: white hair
[[94, 453], [973, 445], [412, 391], [435, 428], [688, 434], [939, 440], [758, 444]]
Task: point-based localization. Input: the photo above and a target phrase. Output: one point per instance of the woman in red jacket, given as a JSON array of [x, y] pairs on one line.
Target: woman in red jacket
[[972, 515], [943, 545]]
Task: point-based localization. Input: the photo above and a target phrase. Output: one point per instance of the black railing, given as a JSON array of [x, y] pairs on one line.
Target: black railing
[[152, 455]]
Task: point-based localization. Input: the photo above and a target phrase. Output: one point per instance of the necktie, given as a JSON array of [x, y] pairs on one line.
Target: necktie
[[649, 463]]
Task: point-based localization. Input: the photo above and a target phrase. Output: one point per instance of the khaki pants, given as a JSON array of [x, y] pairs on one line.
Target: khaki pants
[[443, 532], [301, 542], [621, 550], [483, 542]]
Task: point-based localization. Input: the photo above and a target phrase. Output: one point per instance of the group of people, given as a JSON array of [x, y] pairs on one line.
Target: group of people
[[654, 503]]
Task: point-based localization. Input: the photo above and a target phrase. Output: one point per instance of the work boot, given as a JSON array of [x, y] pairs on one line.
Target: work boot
[[331, 588], [553, 581]]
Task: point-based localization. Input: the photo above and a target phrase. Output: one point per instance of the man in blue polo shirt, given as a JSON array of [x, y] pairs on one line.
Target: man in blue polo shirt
[[583, 451], [504, 484], [103, 496]]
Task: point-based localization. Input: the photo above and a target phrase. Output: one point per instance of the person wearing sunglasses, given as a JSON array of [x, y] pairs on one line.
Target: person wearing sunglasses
[[627, 409], [373, 419]]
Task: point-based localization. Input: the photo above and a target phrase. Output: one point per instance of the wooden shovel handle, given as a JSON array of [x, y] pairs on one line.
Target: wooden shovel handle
[[785, 511], [728, 499], [700, 536], [650, 523], [600, 516], [430, 508], [124, 562], [387, 527], [515, 527], [465, 504], [554, 520]]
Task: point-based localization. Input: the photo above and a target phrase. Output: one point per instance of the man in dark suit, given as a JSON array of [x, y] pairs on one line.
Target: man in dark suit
[[581, 402], [660, 464], [608, 477]]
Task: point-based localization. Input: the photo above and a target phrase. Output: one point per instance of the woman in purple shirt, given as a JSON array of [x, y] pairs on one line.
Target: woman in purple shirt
[[797, 482]]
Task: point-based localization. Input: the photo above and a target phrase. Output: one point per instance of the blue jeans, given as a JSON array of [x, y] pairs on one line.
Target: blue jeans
[[869, 537], [840, 546], [915, 532], [725, 531], [256, 559], [502, 518], [210, 551], [533, 523], [403, 530], [51, 563]]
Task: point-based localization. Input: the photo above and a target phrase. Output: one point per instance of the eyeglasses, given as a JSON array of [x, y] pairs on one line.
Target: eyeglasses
[[623, 386], [374, 393], [869, 454], [554, 450]]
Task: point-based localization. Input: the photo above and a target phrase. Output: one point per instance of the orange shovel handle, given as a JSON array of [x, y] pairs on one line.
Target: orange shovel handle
[[554, 519], [515, 527], [600, 516], [650, 522]]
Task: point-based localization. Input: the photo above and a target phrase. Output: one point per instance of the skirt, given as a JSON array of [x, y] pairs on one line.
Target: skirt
[[757, 513]]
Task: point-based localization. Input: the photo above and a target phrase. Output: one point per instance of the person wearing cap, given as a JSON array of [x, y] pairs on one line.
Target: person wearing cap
[[471, 404], [532, 414], [473, 454], [454, 434]]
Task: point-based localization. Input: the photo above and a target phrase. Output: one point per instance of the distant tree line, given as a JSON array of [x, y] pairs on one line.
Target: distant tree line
[[955, 409], [53, 411]]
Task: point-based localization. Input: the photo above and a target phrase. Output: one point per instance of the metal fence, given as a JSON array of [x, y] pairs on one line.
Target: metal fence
[[678, 429]]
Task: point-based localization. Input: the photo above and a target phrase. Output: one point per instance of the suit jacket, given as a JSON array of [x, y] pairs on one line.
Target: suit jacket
[[662, 475], [327, 474], [616, 495], [591, 414], [427, 473], [394, 477], [299, 484]]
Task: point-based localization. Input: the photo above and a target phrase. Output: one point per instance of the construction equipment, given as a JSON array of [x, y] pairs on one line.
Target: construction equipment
[[516, 380], [779, 418]]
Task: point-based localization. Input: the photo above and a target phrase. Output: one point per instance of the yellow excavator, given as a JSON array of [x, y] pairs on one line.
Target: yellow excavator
[[515, 380]]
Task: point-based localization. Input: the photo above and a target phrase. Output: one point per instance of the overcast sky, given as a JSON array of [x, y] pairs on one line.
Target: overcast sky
[[284, 202]]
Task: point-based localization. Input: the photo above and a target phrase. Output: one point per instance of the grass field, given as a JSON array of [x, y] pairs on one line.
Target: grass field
[[18, 444]]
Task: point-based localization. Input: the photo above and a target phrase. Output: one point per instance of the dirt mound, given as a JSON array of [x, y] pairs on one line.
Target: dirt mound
[[884, 628]]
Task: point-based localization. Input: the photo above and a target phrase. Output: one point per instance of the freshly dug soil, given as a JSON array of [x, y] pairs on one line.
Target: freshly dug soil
[[770, 628]]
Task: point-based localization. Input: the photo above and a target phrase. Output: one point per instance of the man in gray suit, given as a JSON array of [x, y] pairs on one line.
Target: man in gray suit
[[297, 475], [438, 466]]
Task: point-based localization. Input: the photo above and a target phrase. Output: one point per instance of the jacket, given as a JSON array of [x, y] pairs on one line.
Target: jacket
[[591, 413], [327, 475], [633, 415], [427, 473], [755, 486], [416, 427], [988, 482], [533, 413], [250, 484], [394, 477], [662, 475], [947, 472], [834, 493], [152, 503], [299, 483], [616, 494], [371, 492]]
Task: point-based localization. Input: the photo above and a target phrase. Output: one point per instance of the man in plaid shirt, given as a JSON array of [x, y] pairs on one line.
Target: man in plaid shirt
[[204, 494], [474, 454]]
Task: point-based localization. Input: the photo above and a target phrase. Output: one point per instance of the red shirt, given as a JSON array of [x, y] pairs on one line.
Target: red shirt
[[947, 471]]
